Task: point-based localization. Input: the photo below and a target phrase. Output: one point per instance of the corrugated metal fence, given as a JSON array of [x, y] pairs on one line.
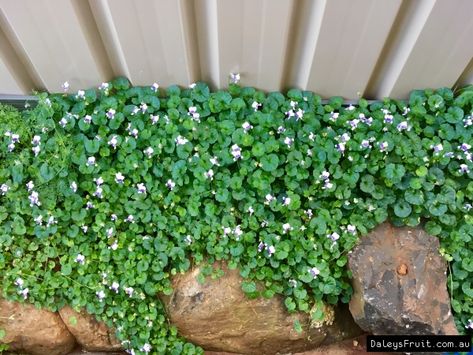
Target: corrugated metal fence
[[352, 48]]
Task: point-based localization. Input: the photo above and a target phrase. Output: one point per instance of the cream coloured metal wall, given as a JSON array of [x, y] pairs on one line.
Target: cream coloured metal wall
[[352, 48]]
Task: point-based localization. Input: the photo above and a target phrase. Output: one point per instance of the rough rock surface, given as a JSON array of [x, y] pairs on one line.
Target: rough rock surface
[[89, 333], [34, 331], [218, 316], [399, 282]]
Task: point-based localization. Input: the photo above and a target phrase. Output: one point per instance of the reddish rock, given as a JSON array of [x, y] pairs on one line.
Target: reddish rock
[[218, 316], [34, 331], [399, 282], [89, 333]]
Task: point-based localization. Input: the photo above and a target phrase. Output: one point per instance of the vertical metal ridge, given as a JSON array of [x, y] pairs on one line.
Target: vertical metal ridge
[[206, 14], [91, 32], [466, 78], [17, 60], [409, 22], [110, 39], [187, 9], [307, 22]]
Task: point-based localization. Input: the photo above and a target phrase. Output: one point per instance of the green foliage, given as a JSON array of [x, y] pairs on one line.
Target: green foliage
[[279, 186]]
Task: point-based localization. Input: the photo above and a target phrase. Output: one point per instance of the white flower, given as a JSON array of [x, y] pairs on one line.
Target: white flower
[[141, 188], [286, 227], [289, 141], [350, 108], [299, 114], [36, 140], [129, 291], [281, 129], [30, 186], [170, 184], [149, 152], [235, 78], [438, 148], [191, 86], [345, 137], [325, 175], [271, 250], [19, 282], [402, 126], [255, 105], [311, 136], [334, 236], [36, 150], [115, 286], [209, 174], [91, 161], [104, 86], [113, 142], [80, 259], [130, 219], [63, 122], [113, 217], [238, 232], [286, 201], [51, 221], [98, 192], [155, 87], [109, 232], [214, 161], [4, 188], [34, 199], [143, 107], [351, 229], [114, 246], [101, 295], [110, 114], [226, 230], [236, 152], [292, 282], [87, 119], [24, 293], [146, 348], [89, 205], [334, 115], [85, 229], [269, 198], [119, 178], [181, 140], [251, 210], [314, 272], [154, 119], [11, 147], [309, 213], [328, 185], [469, 324], [80, 94], [246, 126], [65, 86], [464, 169], [383, 146], [39, 220], [73, 186], [99, 181], [134, 132]]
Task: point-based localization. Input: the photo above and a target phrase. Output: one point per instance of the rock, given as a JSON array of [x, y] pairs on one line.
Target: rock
[[218, 316], [399, 282], [89, 333], [34, 331]]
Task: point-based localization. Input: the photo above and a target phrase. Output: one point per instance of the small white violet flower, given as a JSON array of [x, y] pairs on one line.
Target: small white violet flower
[[65, 86], [100, 295], [141, 188], [115, 286], [234, 78], [30, 186], [181, 140], [4, 189], [119, 178], [170, 184], [80, 259], [129, 291], [91, 161], [314, 272], [63, 122], [246, 126], [110, 114], [155, 87], [73, 186], [149, 152]]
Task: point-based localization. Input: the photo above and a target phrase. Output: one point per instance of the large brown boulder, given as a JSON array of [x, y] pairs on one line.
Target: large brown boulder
[[218, 316], [34, 331], [399, 282], [89, 333]]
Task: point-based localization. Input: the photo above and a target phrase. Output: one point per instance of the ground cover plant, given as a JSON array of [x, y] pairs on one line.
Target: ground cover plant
[[106, 193]]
